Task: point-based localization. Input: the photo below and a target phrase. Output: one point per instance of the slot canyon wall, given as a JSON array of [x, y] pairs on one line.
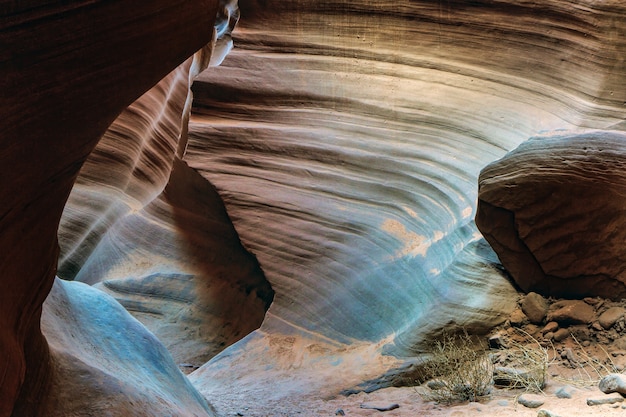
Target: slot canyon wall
[[328, 172], [346, 139]]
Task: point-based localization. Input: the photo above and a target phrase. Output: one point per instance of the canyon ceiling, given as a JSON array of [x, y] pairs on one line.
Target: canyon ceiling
[[292, 217]]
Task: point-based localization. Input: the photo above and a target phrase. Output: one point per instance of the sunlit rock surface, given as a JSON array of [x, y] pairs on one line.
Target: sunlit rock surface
[[346, 139], [553, 210], [153, 233]]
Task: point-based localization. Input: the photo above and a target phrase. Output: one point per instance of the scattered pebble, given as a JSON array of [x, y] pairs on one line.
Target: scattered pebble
[[535, 307], [531, 400], [517, 318], [550, 327], [613, 383], [611, 316], [546, 413], [565, 392], [509, 377], [561, 335], [571, 312], [606, 400], [380, 406], [496, 341]]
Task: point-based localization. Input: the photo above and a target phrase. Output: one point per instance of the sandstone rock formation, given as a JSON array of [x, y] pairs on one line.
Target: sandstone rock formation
[[553, 208], [104, 362], [345, 138], [152, 232], [67, 72]]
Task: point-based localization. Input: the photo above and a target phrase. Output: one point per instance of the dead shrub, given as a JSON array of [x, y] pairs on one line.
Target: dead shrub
[[462, 368]]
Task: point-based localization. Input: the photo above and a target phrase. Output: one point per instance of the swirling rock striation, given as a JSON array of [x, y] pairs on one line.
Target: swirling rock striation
[[553, 208], [145, 228], [346, 139]]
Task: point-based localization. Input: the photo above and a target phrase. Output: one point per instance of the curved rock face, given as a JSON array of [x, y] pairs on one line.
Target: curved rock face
[[150, 231], [553, 208], [104, 362], [346, 139], [67, 72]]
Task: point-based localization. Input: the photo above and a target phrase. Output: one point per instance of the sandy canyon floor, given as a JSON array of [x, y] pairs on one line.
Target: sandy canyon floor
[[575, 365]]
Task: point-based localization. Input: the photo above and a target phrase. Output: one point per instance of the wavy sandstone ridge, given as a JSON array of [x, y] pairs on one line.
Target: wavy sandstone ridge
[[150, 231], [346, 139]]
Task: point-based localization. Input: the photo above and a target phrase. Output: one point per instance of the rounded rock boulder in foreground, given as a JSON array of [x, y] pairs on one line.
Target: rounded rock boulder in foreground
[[554, 211]]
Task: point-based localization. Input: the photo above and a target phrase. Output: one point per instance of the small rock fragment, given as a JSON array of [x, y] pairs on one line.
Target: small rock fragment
[[340, 412], [561, 335], [613, 383], [565, 391], [535, 307], [568, 354], [531, 400], [605, 400], [510, 377], [496, 341], [571, 312], [550, 327], [611, 316], [597, 326], [517, 318], [380, 406], [546, 413]]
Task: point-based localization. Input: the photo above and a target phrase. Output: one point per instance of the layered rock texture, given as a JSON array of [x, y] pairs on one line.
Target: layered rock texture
[[553, 210], [329, 168], [346, 139], [67, 73]]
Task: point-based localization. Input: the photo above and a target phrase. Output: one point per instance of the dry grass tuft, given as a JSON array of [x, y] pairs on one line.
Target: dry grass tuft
[[528, 368], [462, 369], [589, 369]]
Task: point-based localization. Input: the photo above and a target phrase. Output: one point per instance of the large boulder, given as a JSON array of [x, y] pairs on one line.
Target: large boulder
[[554, 211]]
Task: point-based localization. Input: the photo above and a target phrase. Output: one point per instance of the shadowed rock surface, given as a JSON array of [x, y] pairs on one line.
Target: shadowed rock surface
[[150, 231], [67, 71], [553, 210]]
